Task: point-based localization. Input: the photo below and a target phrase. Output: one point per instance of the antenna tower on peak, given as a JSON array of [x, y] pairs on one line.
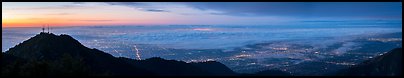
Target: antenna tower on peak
[[43, 28]]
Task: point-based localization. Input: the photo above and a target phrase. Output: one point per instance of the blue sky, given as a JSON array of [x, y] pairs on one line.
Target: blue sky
[[210, 13]]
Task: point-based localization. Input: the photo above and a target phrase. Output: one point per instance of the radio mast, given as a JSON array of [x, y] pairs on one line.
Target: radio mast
[[48, 28], [43, 28]]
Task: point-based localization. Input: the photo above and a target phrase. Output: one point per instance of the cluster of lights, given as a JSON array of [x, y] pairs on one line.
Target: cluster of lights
[[280, 48], [203, 60], [242, 56], [343, 63], [385, 39]]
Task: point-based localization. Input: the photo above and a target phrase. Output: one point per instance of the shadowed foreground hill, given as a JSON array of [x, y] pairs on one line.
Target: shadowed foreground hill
[[51, 55], [173, 67], [389, 64]]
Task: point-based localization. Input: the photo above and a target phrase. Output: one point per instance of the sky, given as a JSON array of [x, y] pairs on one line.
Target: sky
[[36, 14]]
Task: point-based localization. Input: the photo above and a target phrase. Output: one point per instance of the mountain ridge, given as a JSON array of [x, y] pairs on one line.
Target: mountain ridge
[[388, 64], [47, 54]]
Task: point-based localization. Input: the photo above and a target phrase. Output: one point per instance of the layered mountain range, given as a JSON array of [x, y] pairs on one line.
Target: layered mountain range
[[47, 54]]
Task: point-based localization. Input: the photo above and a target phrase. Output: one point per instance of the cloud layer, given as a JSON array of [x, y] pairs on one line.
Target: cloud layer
[[291, 9]]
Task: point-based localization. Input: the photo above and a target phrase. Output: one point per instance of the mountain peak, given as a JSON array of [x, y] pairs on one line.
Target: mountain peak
[[47, 45], [63, 55], [389, 64], [45, 36]]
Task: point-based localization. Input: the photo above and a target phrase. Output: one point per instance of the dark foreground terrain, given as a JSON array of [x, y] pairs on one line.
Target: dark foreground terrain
[[47, 54]]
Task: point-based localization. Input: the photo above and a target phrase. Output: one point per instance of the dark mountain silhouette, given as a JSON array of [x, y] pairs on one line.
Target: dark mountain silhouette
[[47, 54], [272, 73], [173, 67], [214, 67], [389, 64], [50, 54]]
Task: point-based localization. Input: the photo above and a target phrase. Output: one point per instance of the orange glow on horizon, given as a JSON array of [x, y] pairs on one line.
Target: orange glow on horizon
[[38, 22], [61, 23], [30, 22]]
